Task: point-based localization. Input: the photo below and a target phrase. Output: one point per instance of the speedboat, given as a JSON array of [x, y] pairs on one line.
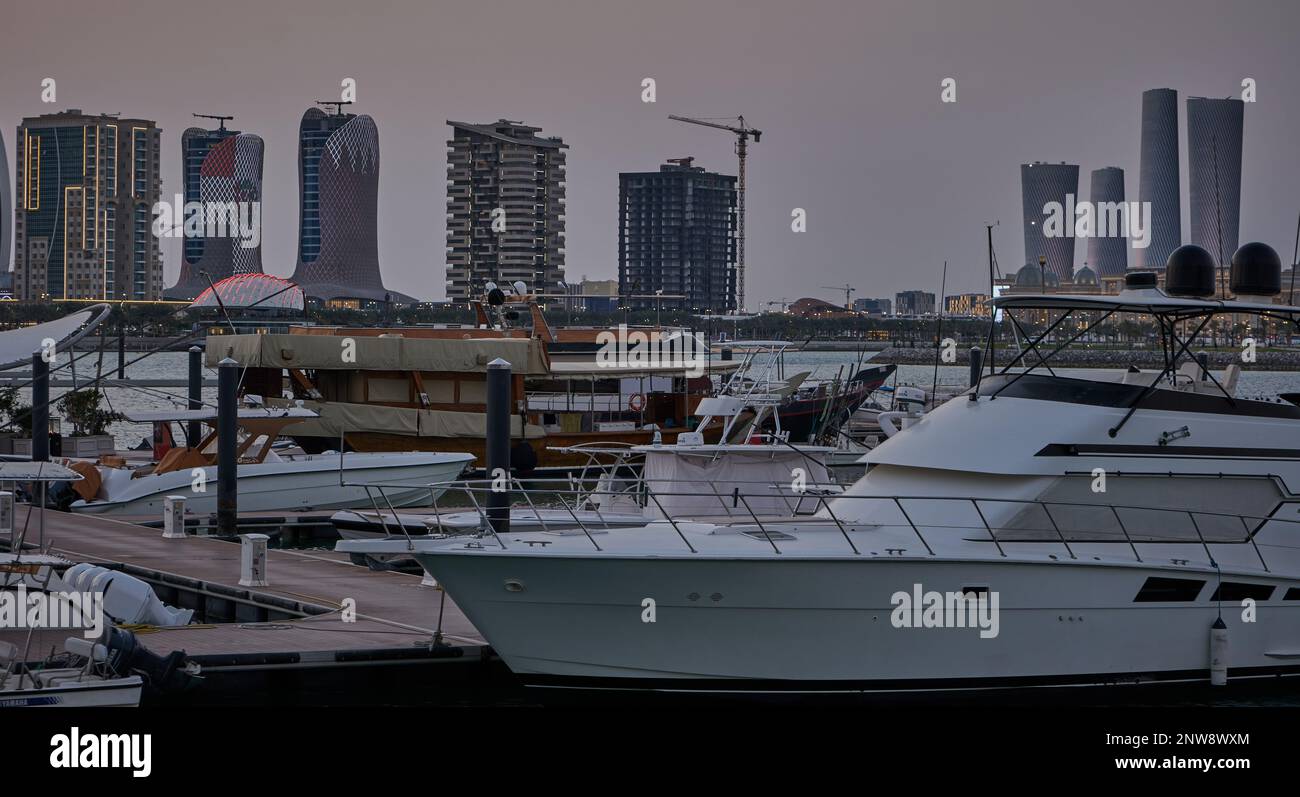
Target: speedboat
[[1038, 530], [268, 480]]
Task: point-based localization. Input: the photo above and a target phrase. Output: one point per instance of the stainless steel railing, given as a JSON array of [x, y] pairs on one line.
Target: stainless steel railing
[[813, 503]]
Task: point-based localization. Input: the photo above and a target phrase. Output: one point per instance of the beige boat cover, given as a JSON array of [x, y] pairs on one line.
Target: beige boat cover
[[336, 417], [527, 357]]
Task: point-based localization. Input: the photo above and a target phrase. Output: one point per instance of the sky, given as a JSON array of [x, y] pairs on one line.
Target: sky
[[848, 95]]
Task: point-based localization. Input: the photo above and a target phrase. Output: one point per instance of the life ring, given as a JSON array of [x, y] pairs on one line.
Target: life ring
[[636, 402]]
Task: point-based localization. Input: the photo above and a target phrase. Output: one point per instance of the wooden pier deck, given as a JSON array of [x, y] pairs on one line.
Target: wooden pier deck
[[396, 615]]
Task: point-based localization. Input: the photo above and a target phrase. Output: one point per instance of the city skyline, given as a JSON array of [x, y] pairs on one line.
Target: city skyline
[[855, 132]]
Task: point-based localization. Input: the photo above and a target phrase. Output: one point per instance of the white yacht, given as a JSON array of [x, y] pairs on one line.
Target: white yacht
[[1038, 530]]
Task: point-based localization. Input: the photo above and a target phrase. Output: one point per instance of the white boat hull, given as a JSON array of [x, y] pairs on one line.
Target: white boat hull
[[747, 625], [88, 693], [307, 484]]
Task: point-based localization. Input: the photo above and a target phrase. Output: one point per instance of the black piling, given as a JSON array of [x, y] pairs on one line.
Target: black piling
[[227, 442], [121, 352], [196, 393], [498, 444], [40, 408], [976, 365]]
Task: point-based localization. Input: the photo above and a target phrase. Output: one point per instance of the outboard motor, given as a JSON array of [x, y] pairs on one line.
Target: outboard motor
[[909, 403], [127, 599], [122, 655]]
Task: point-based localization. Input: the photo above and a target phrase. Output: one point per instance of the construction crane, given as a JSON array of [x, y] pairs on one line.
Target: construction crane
[[221, 119], [848, 289], [743, 135], [338, 105]]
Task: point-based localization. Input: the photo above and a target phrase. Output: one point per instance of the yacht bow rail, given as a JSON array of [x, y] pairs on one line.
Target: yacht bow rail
[[1067, 523]]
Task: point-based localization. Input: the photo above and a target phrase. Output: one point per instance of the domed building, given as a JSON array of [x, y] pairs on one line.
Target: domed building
[[252, 293], [1085, 276], [250, 303], [1032, 276]]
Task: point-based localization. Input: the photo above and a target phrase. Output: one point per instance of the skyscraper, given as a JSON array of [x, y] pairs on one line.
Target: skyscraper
[[1108, 254], [219, 167], [6, 217], [1214, 133], [1158, 177], [1041, 183], [505, 208], [338, 190], [84, 223], [677, 237]]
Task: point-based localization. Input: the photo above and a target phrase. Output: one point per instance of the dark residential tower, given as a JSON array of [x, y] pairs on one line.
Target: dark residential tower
[[1158, 177], [1214, 134], [218, 166], [505, 208], [1041, 183], [677, 237]]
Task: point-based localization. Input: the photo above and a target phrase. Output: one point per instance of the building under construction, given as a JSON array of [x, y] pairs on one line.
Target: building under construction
[[677, 238]]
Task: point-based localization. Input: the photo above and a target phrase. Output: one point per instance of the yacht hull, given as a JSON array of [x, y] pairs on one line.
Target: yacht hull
[[816, 625]]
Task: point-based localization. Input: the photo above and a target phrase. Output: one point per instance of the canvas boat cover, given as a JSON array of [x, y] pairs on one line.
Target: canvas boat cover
[[342, 417], [527, 357]]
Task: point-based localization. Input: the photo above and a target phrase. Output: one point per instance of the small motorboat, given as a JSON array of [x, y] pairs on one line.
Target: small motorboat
[[268, 481]]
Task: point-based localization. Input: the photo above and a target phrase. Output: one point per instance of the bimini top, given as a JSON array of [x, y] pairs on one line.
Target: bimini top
[[18, 345], [1138, 300], [527, 357], [252, 292]]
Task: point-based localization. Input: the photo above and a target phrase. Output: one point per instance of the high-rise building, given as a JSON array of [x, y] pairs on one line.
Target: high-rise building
[[6, 217], [1108, 253], [1041, 183], [219, 167], [677, 238], [83, 228], [914, 303], [338, 210], [505, 208], [1158, 177], [1214, 133]]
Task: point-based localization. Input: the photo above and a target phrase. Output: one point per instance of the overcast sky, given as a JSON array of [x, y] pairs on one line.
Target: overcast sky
[[847, 95]]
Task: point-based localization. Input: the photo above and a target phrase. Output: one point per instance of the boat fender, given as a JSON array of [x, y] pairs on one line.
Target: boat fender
[[1218, 653]]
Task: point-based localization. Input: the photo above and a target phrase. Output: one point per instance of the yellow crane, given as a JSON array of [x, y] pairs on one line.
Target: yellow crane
[[743, 134]]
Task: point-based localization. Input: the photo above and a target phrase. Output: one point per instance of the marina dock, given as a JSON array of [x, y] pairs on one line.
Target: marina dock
[[291, 633]]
